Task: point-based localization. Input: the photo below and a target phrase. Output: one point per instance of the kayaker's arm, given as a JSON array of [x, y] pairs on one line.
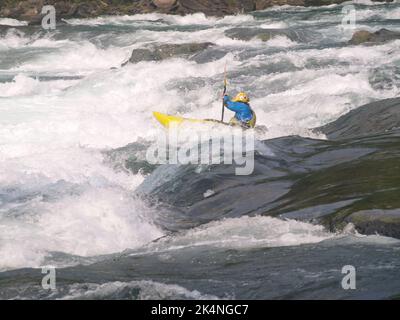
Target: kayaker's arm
[[233, 106]]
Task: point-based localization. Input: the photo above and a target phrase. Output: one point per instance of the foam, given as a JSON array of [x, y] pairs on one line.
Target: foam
[[12, 22], [244, 233], [81, 58], [23, 85], [281, 41], [101, 220], [13, 39], [159, 18], [274, 25]]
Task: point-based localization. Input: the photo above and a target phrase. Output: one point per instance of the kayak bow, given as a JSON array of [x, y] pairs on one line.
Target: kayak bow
[[169, 121]]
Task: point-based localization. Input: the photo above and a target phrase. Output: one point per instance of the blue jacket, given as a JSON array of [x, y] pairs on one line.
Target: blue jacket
[[242, 110]]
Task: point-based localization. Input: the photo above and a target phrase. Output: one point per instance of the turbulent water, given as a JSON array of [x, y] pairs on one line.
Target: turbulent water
[[76, 193]]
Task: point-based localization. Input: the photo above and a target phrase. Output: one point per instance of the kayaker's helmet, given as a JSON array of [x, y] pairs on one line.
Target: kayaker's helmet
[[241, 97]]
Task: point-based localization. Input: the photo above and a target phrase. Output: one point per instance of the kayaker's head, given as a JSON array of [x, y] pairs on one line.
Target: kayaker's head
[[241, 97]]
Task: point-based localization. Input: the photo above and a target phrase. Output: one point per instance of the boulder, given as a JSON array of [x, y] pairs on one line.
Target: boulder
[[380, 36], [164, 4], [166, 51], [211, 54], [139, 55], [383, 222], [373, 118], [248, 34]]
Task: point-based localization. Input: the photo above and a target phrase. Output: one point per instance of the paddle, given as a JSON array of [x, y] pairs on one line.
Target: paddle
[[223, 95]]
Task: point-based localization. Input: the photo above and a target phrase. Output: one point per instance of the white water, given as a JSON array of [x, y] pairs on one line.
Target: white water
[[244, 233], [148, 290], [12, 22], [54, 130]]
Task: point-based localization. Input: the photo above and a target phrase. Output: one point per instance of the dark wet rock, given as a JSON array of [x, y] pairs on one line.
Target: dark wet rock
[[212, 53], [383, 222], [248, 34], [373, 118], [170, 50], [139, 55], [166, 51], [305, 179], [319, 181], [380, 36]]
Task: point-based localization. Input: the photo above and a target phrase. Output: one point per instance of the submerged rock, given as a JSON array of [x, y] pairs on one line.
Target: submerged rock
[[141, 55], [248, 34], [166, 51], [373, 118], [380, 36], [318, 181], [212, 53]]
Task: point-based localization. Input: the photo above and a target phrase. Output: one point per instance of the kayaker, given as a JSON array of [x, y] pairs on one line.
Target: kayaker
[[244, 115]]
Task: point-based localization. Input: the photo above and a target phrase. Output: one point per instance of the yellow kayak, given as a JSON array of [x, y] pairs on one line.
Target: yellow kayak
[[169, 121]]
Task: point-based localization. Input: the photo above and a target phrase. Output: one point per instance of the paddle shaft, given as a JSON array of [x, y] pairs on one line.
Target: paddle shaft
[[223, 95]]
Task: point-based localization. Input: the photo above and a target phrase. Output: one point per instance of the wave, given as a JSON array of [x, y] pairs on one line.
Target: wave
[[81, 58], [23, 85], [160, 19], [244, 233], [99, 220], [12, 22]]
